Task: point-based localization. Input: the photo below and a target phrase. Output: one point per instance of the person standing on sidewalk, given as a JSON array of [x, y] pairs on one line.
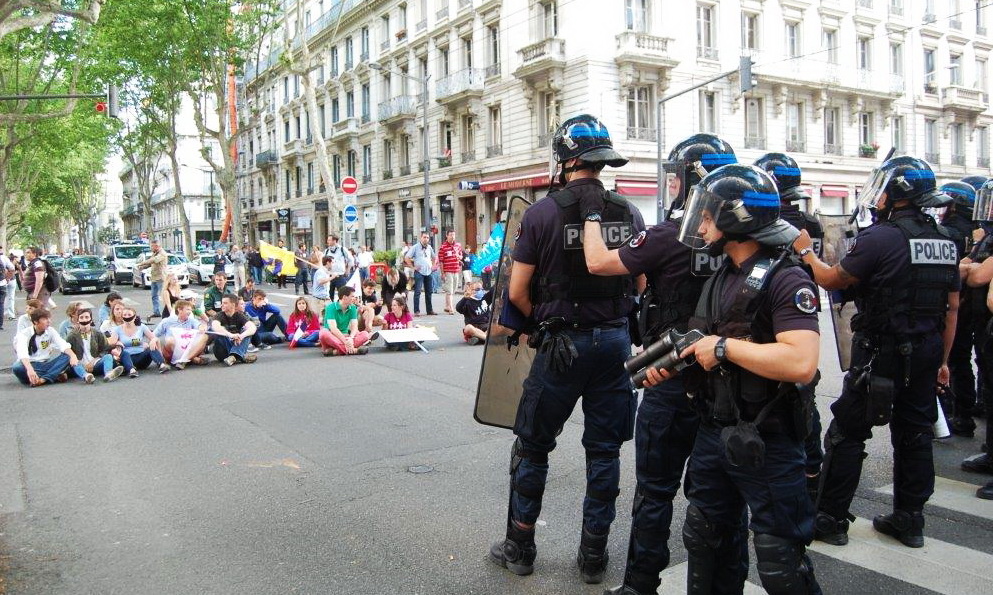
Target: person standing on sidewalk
[[6, 280], [157, 264], [238, 261], [33, 276], [303, 270], [256, 264], [421, 258], [450, 259]]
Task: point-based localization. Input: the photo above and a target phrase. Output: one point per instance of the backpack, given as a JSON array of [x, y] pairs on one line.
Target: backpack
[[51, 281]]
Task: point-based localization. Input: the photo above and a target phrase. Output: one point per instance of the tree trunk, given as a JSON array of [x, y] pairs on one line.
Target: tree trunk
[[180, 201]]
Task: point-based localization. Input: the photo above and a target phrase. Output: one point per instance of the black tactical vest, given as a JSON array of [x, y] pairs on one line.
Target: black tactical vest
[[960, 228], [801, 220], [666, 305], [920, 290], [576, 284]]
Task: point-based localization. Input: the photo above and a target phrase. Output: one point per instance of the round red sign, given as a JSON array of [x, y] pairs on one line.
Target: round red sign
[[349, 185]]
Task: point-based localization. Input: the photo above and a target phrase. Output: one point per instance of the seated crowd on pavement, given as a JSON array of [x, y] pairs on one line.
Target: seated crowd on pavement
[[230, 324]]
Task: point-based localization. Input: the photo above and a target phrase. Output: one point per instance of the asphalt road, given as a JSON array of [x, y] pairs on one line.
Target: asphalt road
[[303, 474]]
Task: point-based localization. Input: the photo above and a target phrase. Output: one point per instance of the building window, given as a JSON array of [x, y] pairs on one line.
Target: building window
[[867, 133], [443, 62], [754, 124], [384, 26], [468, 139], [289, 181], [548, 115], [958, 144], [548, 19], [983, 147], [335, 110], [286, 89], [286, 131], [636, 15], [829, 43], [367, 162], [749, 31], [896, 58], [708, 112], [352, 163], [310, 178], [864, 51], [322, 114], [793, 39], [955, 69], [981, 77], [349, 54], [929, 73], [931, 142], [405, 151], [495, 130], [706, 32], [832, 130], [640, 125], [445, 139], [366, 102], [387, 155], [334, 60], [402, 18], [365, 44], [467, 52], [297, 127], [350, 104], [795, 135], [898, 134], [981, 17], [336, 169]]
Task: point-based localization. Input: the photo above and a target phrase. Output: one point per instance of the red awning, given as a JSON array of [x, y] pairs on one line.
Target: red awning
[[514, 181], [834, 191], [637, 187]]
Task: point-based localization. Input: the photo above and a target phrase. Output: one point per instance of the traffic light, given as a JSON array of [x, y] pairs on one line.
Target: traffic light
[[112, 104], [745, 74]]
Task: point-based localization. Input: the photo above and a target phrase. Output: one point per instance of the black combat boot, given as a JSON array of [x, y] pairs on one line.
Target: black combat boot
[[516, 553], [592, 557], [830, 530], [624, 590], [907, 527]]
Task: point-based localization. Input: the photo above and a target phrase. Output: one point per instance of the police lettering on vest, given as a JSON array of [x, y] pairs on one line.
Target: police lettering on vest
[[614, 234], [705, 265], [933, 252]]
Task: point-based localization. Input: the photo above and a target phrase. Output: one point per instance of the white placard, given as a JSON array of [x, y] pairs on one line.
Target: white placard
[[406, 335]]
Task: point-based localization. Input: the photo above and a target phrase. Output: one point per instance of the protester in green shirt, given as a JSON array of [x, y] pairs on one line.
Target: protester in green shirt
[[212, 297], [342, 321]]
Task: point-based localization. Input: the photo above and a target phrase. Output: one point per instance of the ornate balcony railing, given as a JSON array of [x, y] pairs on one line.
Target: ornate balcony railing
[[636, 133], [494, 150], [469, 79]]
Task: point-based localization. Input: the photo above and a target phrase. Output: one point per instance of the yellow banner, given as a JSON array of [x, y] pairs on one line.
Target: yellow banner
[[272, 253]]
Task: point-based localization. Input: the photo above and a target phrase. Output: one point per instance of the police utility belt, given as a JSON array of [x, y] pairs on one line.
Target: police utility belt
[[728, 391]]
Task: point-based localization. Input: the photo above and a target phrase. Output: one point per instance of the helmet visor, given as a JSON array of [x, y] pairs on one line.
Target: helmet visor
[[700, 205], [983, 209], [553, 166], [673, 187], [874, 188]]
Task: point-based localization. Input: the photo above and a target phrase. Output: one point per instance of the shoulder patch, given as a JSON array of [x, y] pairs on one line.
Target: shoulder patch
[[517, 232], [805, 300], [638, 239]]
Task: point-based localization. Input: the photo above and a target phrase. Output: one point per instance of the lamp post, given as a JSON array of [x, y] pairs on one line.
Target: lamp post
[[212, 205], [426, 206]]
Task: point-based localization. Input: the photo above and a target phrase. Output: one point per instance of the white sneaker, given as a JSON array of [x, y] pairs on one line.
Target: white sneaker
[[252, 349], [89, 378], [116, 372]]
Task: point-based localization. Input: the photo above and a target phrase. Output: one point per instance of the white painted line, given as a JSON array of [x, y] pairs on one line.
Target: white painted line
[[939, 566], [674, 581], [955, 495]]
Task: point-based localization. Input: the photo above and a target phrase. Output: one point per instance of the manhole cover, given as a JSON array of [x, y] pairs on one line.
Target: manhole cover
[[420, 469]]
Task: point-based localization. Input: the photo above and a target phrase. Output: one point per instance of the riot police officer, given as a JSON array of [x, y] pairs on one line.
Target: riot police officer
[[973, 314], [787, 175], [905, 278], [582, 341], [759, 312], [666, 423]]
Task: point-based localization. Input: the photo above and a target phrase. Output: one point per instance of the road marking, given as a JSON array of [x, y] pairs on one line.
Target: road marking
[[939, 566], [955, 495], [674, 581]]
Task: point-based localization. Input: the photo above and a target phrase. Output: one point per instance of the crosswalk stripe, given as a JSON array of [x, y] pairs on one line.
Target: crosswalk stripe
[[955, 495], [939, 566], [674, 581]]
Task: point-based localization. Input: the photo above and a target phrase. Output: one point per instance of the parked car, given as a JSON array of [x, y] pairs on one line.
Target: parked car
[[122, 258], [84, 273], [176, 266], [201, 269], [55, 260]]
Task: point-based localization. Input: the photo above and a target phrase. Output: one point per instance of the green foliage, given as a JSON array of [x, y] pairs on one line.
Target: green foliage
[[387, 256]]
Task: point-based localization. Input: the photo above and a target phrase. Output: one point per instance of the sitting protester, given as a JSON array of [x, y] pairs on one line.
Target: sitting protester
[[304, 327], [92, 349], [475, 308], [107, 308], [370, 308], [394, 284], [43, 357], [113, 320], [24, 320], [269, 318], [212, 297], [171, 293], [342, 319], [185, 320], [69, 324], [321, 289], [232, 330], [399, 317], [248, 290], [141, 347]]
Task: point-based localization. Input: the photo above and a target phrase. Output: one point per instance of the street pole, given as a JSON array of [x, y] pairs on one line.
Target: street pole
[[426, 209], [213, 208]]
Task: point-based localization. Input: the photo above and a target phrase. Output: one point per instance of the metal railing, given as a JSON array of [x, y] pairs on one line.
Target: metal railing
[[982, 161], [469, 79], [404, 170], [958, 159], [955, 24], [550, 47], [896, 9], [468, 156], [544, 139], [634, 40], [348, 64], [384, 45], [266, 158], [832, 149], [932, 158], [366, 118], [637, 133], [865, 3], [897, 84], [707, 53], [367, 178], [796, 146], [755, 142], [421, 25], [494, 150], [929, 18], [493, 70], [464, 4], [442, 13], [404, 105]]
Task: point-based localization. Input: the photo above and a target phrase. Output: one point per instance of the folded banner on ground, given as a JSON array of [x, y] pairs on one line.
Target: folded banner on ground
[[274, 253], [185, 338], [490, 251]]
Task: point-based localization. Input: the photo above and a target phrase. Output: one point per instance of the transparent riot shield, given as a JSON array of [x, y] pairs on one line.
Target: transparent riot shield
[[839, 237], [505, 366]]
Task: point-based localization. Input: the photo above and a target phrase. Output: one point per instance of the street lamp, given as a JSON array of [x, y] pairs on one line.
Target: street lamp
[[212, 205], [426, 207]]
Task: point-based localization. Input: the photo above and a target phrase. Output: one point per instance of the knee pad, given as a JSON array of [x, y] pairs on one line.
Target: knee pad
[[783, 567], [521, 485], [607, 493], [700, 536]]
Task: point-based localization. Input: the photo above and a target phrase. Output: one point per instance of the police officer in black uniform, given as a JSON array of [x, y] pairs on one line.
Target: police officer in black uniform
[[582, 341], [904, 274], [666, 424], [973, 314], [787, 174], [759, 312]]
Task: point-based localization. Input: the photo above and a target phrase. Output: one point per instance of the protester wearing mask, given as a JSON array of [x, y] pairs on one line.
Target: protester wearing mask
[[92, 349]]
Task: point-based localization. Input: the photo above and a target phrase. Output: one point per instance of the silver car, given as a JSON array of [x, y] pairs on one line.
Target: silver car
[[176, 266], [201, 269]]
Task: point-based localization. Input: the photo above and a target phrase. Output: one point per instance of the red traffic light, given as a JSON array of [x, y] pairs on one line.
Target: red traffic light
[[101, 107]]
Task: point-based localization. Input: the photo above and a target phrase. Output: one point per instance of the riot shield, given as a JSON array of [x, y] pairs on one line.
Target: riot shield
[[839, 237], [505, 366]]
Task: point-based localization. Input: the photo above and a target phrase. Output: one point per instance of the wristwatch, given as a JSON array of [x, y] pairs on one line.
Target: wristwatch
[[805, 252], [593, 216], [720, 350]]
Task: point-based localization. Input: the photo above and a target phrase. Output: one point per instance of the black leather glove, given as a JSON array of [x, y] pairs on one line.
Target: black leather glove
[[559, 351], [591, 202]]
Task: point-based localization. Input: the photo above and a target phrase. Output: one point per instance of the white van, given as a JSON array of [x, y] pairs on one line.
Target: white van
[[122, 258]]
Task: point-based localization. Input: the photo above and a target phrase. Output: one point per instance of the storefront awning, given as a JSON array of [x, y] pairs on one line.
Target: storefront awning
[[834, 191], [637, 187], [514, 181]]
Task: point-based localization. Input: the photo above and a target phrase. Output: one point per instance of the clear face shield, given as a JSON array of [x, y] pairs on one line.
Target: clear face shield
[[700, 206], [553, 166], [982, 211]]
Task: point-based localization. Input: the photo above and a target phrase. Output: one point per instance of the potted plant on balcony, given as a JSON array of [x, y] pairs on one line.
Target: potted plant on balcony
[[869, 149]]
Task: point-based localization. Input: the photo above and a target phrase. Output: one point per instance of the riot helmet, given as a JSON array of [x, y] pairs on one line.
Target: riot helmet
[[691, 160], [975, 181], [743, 203], [585, 138], [785, 172], [983, 211], [902, 178], [963, 196]]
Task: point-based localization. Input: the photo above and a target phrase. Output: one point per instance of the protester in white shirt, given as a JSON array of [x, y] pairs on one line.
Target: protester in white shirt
[[183, 319], [6, 285], [365, 259], [42, 355]]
